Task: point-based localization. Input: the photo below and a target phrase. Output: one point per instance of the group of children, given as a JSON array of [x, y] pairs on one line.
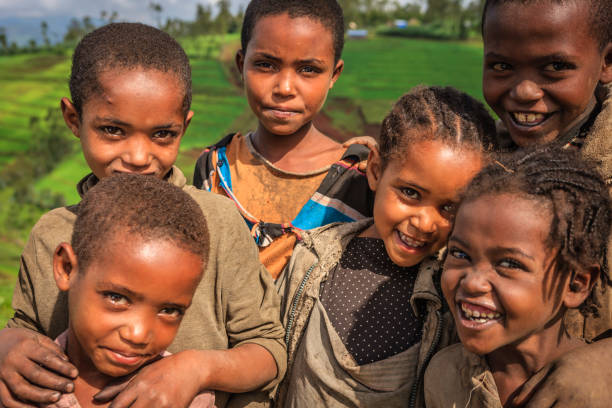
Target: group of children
[[300, 272]]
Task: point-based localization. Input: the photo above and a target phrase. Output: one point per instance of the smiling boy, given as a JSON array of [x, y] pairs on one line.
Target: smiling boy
[[131, 92], [135, 274], [547, 74], [287, 176]]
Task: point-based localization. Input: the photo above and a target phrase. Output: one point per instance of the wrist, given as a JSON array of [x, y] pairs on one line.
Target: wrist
[[197, 362]]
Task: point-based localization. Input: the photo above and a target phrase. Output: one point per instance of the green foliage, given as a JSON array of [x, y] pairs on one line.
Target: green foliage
[[432, 32]]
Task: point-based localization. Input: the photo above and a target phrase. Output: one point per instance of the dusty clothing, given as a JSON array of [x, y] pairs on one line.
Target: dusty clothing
[[234, 304], [278, 205], [321, 372], [205, 399], [457, 378], [593, 136], [365, 298]]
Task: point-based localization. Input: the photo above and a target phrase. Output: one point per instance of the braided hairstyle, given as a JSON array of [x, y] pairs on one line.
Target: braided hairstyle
[[436, 113], [126, 46], [145, 206], [578, 199], [600, 15]]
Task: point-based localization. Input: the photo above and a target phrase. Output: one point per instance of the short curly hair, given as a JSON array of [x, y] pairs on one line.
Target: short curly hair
[[327, 12], [600, 15], [436, 113], [142, 205], [126, 46], [574, 191]]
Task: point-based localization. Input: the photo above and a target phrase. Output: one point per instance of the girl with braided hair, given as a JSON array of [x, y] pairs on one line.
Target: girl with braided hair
[[529, 243], [361, 303]]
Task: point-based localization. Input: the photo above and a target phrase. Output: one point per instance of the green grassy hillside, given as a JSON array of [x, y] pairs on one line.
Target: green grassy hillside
[[377, 71]]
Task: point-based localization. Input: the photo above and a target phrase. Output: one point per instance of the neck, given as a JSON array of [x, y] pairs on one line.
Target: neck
[[276, 147], [513, 364]]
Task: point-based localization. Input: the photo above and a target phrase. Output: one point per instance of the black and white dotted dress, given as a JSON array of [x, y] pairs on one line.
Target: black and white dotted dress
[[367, 300]]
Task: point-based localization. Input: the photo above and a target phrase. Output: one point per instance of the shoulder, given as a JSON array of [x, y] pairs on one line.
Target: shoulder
[[55, 225]]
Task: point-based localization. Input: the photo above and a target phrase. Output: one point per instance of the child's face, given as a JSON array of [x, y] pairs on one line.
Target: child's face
[[126, 307], [541, 67], [288, 68], [134, 124], [416, 196], [498, 274]]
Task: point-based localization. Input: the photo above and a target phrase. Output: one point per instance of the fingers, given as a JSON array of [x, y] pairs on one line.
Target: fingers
[[39, 376], [54, 360], [9, 400], [368, 141], [109, 392]]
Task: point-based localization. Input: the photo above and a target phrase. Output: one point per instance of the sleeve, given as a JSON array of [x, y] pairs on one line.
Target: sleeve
[[37, 302], [251, 303]]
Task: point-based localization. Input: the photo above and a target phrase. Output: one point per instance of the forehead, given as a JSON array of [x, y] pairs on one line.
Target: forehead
[[436, 166], [543, 23], [504, 220], [299, 37]]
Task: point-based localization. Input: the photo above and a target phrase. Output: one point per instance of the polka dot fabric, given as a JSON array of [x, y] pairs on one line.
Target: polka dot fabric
[[367, 299]]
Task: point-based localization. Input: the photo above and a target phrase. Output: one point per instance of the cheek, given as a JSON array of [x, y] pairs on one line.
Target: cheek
[[164, 335], [449, 283]]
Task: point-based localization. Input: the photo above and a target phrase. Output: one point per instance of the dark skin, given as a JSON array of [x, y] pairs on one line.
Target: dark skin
[[288, 68]]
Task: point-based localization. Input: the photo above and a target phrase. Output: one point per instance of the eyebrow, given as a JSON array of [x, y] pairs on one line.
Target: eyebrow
[[515, 251], [459, 241], [113, 121], [302, 61]]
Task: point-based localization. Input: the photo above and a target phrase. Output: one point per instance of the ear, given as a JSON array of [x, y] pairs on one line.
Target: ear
[[579, 288], [606, 72], [240, 63], [65, 266], [187, 121], [337, 71], [71, 116], [374, 170]]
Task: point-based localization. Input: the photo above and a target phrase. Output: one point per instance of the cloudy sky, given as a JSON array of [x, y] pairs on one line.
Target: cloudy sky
[[127, 9]]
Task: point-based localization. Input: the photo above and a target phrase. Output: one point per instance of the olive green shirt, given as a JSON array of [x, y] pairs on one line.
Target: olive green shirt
[[235, 303]]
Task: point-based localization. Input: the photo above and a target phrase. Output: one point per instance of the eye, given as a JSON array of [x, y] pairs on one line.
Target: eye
[[510, 263], [172, 312], [410, 193], [263, 65], [559, 66], [500, 66], [309, 69], [111, 130], [450, 208], [458, 254], [116, 299], [164, 134]]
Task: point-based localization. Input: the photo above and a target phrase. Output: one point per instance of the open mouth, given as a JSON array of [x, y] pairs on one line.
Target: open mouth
[[478, 314], [529, 119], [411, 242]]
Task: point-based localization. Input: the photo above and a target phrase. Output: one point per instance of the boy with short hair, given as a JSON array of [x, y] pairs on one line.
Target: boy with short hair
[[130, 271], [287, 176], [131, 90], [551, 84]]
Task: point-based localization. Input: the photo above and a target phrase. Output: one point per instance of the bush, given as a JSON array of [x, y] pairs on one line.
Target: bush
[[429, 31]]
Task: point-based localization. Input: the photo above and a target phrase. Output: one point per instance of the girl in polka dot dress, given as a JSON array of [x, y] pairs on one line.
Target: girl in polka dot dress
[[361, 302]]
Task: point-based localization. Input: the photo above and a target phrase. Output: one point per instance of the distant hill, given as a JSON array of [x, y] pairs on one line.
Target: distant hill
[[23, 29]]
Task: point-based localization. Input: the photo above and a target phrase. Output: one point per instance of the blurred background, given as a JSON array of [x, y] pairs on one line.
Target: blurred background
[[391, 46]]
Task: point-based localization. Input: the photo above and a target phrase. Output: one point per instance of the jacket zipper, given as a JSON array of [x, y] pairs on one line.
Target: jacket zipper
[[416, 385]]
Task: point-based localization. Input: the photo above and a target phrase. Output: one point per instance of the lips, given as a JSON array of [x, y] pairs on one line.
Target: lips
[[529, 119], [127, 358], [477, 314], [411, 242]]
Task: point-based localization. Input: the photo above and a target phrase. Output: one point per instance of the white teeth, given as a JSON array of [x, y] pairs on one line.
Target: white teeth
[[480, 317], [528, 118], [411, 242]]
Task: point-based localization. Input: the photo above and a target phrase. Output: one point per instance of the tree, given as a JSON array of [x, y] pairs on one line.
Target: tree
[[157, 10], [44, 29], [224, 17], [3, 39]]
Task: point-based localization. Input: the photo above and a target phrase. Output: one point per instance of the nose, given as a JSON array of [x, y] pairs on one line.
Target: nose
[[137, 154], [475, 282], [426, 220], [526, 91], [138, 331], [284, 85]]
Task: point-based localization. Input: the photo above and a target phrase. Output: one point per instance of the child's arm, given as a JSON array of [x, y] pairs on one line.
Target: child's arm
[[580, 378], [175, 380]]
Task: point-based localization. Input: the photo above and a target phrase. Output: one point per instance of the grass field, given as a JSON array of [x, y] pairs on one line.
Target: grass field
[[377, 71]]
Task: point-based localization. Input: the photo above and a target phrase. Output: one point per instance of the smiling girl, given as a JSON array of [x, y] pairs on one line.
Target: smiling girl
[[529, 242], [360, 303]]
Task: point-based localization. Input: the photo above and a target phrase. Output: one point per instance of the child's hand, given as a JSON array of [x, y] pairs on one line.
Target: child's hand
[[367, 141], [580, 378], [32, 369]]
